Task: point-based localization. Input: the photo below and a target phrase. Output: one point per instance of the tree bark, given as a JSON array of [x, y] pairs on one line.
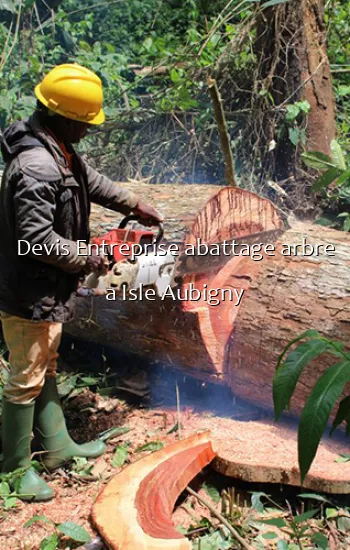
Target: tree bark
[[235, 345], [293, 66]]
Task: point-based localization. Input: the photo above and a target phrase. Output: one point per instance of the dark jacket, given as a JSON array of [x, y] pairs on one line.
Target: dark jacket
[[43, 202]]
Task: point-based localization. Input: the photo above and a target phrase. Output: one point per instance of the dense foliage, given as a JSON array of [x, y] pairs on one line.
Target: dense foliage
[[154, 58]]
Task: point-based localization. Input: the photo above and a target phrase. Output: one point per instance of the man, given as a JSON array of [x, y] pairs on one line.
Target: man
[[45, 205]]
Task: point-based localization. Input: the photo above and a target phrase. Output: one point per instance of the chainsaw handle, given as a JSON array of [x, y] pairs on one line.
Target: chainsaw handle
[[134, 217]]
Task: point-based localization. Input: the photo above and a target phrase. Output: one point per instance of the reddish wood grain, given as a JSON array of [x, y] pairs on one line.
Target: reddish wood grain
[[134, 510]]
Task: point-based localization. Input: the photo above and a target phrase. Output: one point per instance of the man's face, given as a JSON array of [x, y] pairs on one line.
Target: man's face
[[76, 130]]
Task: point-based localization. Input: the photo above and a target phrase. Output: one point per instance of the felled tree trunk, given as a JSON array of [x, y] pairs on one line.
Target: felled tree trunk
[[237, 345]]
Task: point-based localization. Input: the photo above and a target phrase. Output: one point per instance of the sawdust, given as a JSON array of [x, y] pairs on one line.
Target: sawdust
[[232, 438]]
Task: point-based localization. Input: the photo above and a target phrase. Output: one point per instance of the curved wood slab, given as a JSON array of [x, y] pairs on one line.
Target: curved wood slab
[[265, 451], [134, 511]]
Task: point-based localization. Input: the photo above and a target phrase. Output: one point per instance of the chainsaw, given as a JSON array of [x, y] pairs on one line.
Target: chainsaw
[[137, 258], [134, 258]]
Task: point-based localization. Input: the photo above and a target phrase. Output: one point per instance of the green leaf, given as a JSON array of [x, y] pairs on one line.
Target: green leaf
[[175, 76], [175, 428], [8, 5], [113, 432], [277, 522], [344, 193], [343, 523], [282, 545], [292, 112], [49, 543], [338, 155], [67, 385], [34, 519], [343, 458], [213, 492], [305, 516], [287, 375], [10, 502], [343, 90], [325, 222], [304, 106], [314, 496], [318, 160], [256, 502], [81, 465], [314, 417], [294, 135], [326, 179], [343, 414], [151, 446], [74, 531], [4, 489], [270, 535], [120, 456], [321, 540], [270, 3], [332, 513], [89, 381], [147, 43]]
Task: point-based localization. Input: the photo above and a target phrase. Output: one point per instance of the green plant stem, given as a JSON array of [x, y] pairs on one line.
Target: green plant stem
[[221, 518]]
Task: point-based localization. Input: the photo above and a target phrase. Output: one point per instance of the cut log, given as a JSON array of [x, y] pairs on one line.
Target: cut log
[[265, 451], [238, 345], [135, 509]]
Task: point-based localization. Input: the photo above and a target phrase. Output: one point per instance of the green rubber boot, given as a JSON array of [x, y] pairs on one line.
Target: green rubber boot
[[51, 431], [17, 425]]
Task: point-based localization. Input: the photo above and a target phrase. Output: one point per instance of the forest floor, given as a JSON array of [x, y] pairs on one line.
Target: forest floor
[[144, 430]]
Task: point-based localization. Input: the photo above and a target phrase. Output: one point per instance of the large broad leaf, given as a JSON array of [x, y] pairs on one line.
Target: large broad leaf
[[287, 375], [327, 178], [343, 414], [311, 333], [314, 417], [337, 155], [318, 160]]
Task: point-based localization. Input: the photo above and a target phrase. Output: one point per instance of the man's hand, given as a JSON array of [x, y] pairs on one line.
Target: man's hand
[[147, 214], [95, 262]]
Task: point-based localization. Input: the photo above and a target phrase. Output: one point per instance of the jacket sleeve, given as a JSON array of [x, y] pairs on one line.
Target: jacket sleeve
[[35, 204], [105, 192]]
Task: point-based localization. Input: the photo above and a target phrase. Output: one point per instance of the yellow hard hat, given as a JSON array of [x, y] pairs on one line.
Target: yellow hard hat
[[74, 92]]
